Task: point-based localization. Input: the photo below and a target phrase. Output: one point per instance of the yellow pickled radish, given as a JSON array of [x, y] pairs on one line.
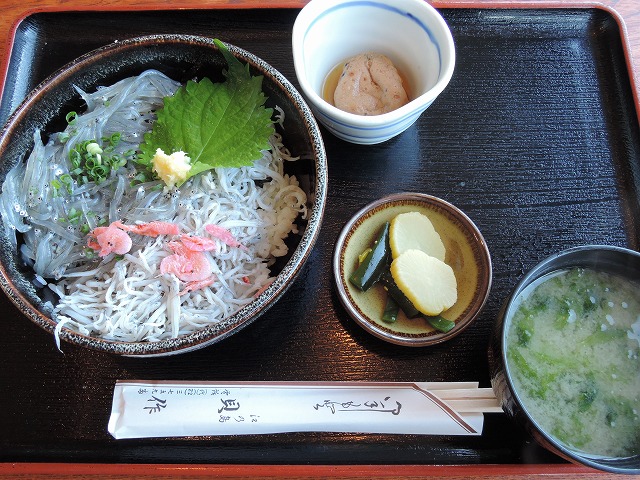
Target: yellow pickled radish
[[428, 283], [413, 230]]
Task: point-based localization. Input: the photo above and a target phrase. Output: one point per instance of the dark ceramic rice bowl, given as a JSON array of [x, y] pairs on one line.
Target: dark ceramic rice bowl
[[181, 57]]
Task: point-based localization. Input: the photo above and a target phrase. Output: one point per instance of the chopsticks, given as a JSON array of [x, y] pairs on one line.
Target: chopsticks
[[184, 408], [465, 397], [470, 401]]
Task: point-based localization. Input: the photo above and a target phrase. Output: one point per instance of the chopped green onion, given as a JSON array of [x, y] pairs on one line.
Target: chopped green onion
[[93, 148], [93, 162], [71, 118], [67, 181], [56, 187], [74, 216], [75, 157]]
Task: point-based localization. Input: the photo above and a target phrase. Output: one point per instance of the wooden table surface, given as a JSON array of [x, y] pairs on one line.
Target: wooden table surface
[[13, 11]]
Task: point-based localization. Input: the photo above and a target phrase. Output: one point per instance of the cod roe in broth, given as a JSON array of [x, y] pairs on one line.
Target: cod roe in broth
[[367, 84]]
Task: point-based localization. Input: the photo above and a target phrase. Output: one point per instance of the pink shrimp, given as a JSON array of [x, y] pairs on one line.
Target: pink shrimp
[[151, 229], [191, 286], [223, 235], [186, 264], [198, 244], [108, 240]]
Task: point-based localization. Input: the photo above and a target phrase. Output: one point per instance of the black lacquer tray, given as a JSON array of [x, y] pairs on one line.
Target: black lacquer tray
[[536, 139]]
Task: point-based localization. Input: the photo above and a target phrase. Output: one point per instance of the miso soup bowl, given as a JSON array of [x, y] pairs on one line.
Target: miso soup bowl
[[610, 259], [411, 33]]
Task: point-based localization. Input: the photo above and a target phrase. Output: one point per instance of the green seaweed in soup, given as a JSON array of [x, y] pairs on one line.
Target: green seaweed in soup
[[574, 356]]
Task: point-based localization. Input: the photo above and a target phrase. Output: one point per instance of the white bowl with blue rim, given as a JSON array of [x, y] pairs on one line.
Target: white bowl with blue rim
[[411, 33]]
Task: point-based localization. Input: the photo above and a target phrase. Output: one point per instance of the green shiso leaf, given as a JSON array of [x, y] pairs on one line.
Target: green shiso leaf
[[217, 124]]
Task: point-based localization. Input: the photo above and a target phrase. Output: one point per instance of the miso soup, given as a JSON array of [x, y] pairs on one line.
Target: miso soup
[[573, 353]]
